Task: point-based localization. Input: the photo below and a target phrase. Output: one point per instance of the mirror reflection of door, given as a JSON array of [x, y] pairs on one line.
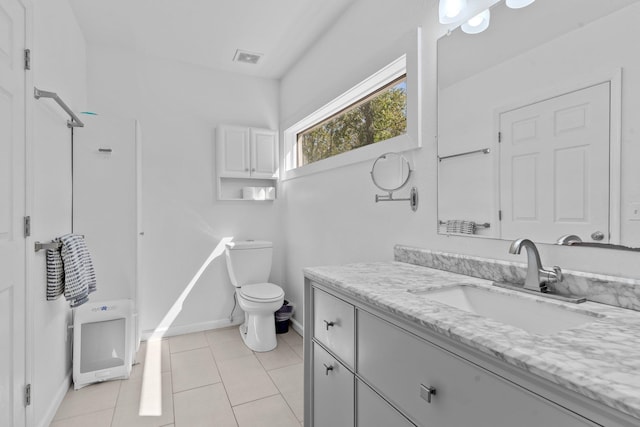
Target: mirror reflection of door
[[552, 177]]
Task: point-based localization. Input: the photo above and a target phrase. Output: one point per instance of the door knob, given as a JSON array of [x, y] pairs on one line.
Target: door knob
[[597, 235], [327, 368]]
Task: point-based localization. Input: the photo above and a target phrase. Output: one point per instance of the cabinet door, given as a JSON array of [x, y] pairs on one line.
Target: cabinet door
[[373, 410], [332, 391], [264, 153], [233, 152], [333, 325], [403, 368]]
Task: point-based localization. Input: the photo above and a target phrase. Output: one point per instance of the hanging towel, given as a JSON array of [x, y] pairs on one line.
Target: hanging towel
[[79, 275], [55, 274], [461, 227]]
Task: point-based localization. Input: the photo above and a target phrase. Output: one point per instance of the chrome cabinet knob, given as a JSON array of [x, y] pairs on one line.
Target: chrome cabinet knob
[[597, 235], [253, 169], [327, 368], [246, 169], [328, 324], [426, 392]]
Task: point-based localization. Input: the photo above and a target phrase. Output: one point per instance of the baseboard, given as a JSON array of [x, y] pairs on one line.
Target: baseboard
[[56, 401], [195, 327], [297, 326]]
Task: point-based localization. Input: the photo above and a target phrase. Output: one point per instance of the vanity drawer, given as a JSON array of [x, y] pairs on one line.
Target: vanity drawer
[[403, 367], [373, 410], [333, 396], [333, 325]]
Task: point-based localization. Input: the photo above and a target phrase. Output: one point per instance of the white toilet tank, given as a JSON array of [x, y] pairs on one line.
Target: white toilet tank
[[249, 261]]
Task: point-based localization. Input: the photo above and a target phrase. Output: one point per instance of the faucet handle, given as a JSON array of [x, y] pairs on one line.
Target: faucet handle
[[558, 272]]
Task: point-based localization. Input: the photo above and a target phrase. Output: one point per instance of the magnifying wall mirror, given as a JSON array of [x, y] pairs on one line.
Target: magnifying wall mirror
[[391, 172]]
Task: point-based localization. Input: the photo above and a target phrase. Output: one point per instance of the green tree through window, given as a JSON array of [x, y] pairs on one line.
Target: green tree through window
[[377, 117]]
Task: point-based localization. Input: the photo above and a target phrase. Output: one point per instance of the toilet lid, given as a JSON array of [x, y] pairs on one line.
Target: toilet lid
[[262, 292]]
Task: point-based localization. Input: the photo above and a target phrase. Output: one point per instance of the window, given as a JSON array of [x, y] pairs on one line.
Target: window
[[377, 116]]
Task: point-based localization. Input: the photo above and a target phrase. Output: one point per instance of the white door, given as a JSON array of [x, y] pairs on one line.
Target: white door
[[12, 211], [264, 153], [554, 167], [233, 151]]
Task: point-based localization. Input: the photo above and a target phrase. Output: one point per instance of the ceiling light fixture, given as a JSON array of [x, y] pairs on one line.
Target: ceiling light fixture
[[247, 57], [518, 4], [478, 23], [450, 10]]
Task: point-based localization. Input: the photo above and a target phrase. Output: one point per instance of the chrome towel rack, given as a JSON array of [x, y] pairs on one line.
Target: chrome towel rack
[[482, 150], [44, 246], [478, 224], [74, 122], [39, 246]]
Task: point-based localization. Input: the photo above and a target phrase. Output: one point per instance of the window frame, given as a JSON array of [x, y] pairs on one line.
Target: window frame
[[366, 98], [409, 64]]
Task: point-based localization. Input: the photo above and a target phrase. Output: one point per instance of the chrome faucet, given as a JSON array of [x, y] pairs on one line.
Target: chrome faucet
[[537, 277]]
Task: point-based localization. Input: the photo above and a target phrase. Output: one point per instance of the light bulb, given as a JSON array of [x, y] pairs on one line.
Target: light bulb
[[478, 23], [517, 4], [450, 10]]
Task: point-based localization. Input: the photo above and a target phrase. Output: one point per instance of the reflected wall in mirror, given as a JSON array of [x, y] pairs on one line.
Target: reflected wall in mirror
[[553, 92], [390, 172]]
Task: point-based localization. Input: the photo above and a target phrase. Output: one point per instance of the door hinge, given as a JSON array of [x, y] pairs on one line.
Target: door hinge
[[27, 395], [27, 59], [27, 226], [500, 215], [499, 136]]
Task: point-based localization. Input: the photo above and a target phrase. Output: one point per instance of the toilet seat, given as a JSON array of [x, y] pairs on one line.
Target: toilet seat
[[261, 292]]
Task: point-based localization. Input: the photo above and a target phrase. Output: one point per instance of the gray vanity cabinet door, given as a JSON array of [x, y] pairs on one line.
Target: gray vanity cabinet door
[[403, 368], [333, 391], [373, 410], [333, 325]]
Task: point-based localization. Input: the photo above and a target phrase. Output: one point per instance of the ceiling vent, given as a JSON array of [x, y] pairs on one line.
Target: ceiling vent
[[247, 57]]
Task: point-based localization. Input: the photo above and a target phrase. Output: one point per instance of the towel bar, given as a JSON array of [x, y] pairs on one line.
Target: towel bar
[[50, 245]]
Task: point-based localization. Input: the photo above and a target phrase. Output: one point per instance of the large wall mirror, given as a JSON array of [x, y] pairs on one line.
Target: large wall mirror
[[539, 124]]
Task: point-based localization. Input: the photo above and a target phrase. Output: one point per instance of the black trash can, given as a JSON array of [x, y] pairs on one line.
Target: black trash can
[[282, 316]]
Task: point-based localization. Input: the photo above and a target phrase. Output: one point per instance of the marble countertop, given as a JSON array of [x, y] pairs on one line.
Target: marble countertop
[[600, 360]]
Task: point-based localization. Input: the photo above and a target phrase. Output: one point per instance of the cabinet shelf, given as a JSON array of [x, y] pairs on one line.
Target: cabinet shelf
[[245, 157]]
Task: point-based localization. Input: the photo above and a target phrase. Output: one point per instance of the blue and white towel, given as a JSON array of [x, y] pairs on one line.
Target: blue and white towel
[[55, 273], [70, 271], [460, 226], [79, 275]]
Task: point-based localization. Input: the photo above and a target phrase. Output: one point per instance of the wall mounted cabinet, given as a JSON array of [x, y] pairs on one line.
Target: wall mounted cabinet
[[245, 157]]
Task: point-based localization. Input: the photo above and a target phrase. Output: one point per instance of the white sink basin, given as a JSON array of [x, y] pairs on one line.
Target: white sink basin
[[522, 311]]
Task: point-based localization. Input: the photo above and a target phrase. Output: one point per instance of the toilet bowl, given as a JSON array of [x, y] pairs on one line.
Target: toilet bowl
[[249, 265]]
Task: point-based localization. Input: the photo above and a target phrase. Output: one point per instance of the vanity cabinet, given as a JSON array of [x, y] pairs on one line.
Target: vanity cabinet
[[245, 157], [333, 325], [369, 370], [333, 390], [434, 387]]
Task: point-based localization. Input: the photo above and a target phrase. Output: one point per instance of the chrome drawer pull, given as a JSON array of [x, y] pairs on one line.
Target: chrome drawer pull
[[427, 392], [328, 368], [328, 324]]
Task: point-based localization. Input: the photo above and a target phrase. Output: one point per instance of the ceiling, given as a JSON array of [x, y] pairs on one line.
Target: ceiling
[[208, 32]]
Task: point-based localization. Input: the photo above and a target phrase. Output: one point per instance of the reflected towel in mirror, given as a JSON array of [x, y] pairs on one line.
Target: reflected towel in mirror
[[461, 226]]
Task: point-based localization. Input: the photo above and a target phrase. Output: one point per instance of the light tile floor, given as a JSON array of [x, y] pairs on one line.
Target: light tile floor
[[209, 378]]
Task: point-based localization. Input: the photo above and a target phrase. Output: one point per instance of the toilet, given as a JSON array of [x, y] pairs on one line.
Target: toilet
[[249, 265]]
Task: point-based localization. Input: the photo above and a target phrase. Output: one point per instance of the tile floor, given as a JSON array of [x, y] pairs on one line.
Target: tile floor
[[209, 378]]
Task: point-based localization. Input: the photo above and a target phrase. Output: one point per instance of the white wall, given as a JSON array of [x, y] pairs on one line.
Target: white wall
[[58, 65], [178, 107], [330, 217]]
